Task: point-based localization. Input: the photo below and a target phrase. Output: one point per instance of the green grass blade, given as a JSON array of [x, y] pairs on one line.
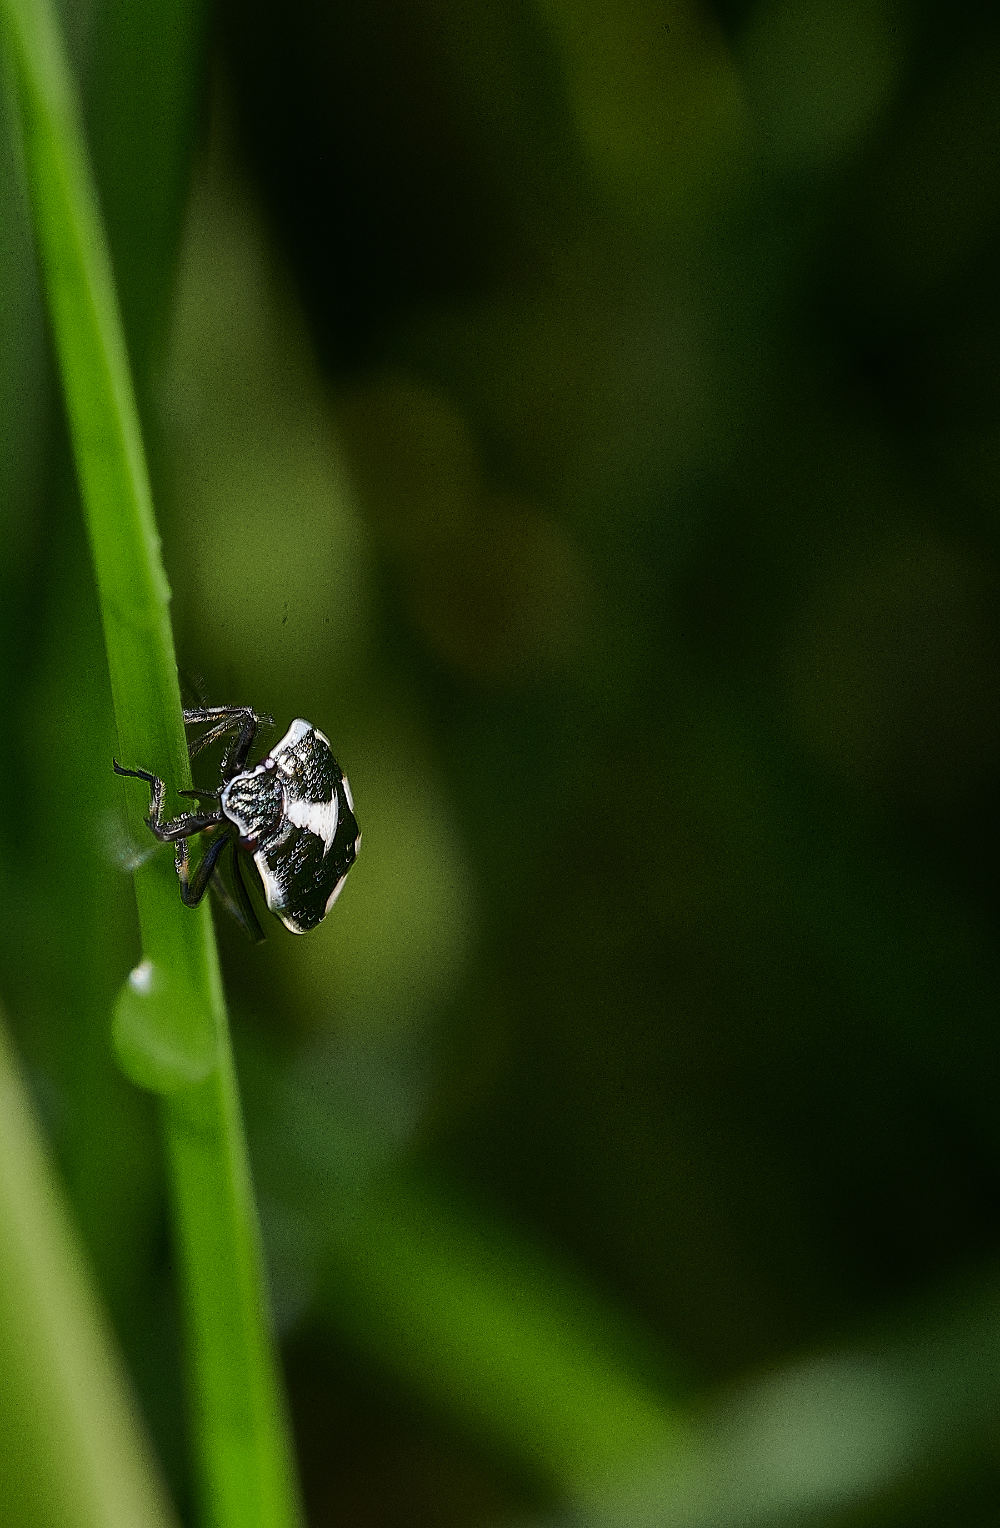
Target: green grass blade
[[170, 1039], [71, 1449], [171, 1030], [238, 1413]]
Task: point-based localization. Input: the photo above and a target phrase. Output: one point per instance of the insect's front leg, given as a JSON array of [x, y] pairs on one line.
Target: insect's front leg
[[174, 828]]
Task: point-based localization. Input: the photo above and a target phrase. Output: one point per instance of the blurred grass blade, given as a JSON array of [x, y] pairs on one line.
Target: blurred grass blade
[[69, 1435], [838, 1436], [486, 1327], [171, 1028]]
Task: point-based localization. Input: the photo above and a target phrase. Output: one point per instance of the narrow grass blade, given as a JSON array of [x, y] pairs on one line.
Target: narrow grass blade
[[171, 1024]]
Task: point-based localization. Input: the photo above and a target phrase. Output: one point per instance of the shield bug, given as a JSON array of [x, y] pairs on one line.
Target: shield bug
[[292, 814]]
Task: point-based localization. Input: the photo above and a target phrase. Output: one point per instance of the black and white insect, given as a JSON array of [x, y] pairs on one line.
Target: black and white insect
[[292, 813]]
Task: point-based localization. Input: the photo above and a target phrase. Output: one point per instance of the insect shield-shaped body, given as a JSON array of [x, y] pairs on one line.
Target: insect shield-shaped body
[[292, 813], [295, 815]]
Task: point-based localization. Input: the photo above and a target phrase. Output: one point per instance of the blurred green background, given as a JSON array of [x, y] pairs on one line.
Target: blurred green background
[[586, 414]]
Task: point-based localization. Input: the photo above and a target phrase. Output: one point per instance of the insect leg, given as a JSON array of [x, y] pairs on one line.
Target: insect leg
[[176, 827], [227, 719], [236, 756], [177, 830], [225, 716], [243, 910], [193, 888]]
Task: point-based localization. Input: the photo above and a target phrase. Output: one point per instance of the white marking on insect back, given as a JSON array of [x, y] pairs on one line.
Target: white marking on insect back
[[335, 893], [274, 890], [347, 793], [319, 817], [296, 732]]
